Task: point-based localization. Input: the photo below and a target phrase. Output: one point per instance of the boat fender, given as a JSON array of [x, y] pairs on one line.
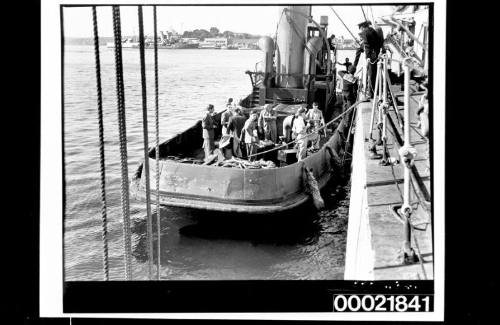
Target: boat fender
[[312, 187], [334, 158]]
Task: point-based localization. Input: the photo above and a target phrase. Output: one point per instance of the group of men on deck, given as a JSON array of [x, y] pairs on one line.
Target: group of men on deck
[[303, 127]]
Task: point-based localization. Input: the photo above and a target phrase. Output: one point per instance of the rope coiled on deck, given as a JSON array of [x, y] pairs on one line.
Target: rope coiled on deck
[[101, 147], [125, 203]]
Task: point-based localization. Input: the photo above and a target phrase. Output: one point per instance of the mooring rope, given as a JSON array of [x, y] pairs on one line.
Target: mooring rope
[[157, 151], [101, 148], [146, 144], [123, 142]]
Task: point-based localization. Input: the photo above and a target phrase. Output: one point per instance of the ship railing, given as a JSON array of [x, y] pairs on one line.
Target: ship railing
[[407, 152], [258, 77]]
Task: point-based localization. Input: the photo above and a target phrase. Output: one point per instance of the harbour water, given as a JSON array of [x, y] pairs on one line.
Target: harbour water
[[301, 245]]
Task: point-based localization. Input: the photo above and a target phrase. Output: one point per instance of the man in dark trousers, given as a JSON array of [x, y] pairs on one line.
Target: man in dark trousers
[[371, 45], [235, 126], [349, 87], [208, 125]]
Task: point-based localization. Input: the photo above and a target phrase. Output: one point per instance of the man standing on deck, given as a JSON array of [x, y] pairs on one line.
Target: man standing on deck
[[349, 87], [267, 123], [235, 126], [299, 130], [250, 135], [208, 126], [347, 64], [287, 127], [371, 45], [315, 117], [226, 115]]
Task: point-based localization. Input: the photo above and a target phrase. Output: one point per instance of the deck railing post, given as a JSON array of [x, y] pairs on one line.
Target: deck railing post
[[376, 94], [407, 153], [384, 109], [365, 91]]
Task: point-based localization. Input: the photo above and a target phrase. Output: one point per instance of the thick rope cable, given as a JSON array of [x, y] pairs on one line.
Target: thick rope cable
[[101, 148], [125, 202], [146, 144], [157, 151], [315, 131]]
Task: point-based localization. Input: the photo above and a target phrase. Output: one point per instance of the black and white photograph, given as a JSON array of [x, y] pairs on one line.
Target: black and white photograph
[[283, 148]]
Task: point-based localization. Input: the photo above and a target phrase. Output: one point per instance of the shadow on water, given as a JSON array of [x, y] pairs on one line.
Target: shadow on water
[[183, 230]]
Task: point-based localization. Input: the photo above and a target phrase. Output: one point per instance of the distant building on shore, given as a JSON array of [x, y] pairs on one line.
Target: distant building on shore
[[216, 42]]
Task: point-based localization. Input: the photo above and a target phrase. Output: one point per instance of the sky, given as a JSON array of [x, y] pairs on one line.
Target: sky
[[259, 20]]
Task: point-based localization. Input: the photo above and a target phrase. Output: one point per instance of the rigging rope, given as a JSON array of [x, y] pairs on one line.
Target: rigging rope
[[366, 19], [354, 37], [101, 147], [349, 135], [125, 203], [157, 150], [315, 131], [146, 146]]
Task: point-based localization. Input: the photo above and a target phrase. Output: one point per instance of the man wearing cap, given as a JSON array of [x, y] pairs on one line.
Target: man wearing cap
[[226, 115], [371, 45], [267, 123], [208, 126]]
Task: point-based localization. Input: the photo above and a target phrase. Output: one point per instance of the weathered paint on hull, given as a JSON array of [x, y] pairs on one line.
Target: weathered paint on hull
[[257, 191]]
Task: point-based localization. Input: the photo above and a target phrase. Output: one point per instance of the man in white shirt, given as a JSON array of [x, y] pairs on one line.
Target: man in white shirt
[[315, 117], [299, 130]]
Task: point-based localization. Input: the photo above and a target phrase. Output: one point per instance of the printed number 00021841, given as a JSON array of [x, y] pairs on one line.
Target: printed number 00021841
[[382, 303]]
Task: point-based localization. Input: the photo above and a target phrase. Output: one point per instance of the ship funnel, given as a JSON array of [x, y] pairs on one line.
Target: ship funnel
[[290, 44], [313, 46]]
